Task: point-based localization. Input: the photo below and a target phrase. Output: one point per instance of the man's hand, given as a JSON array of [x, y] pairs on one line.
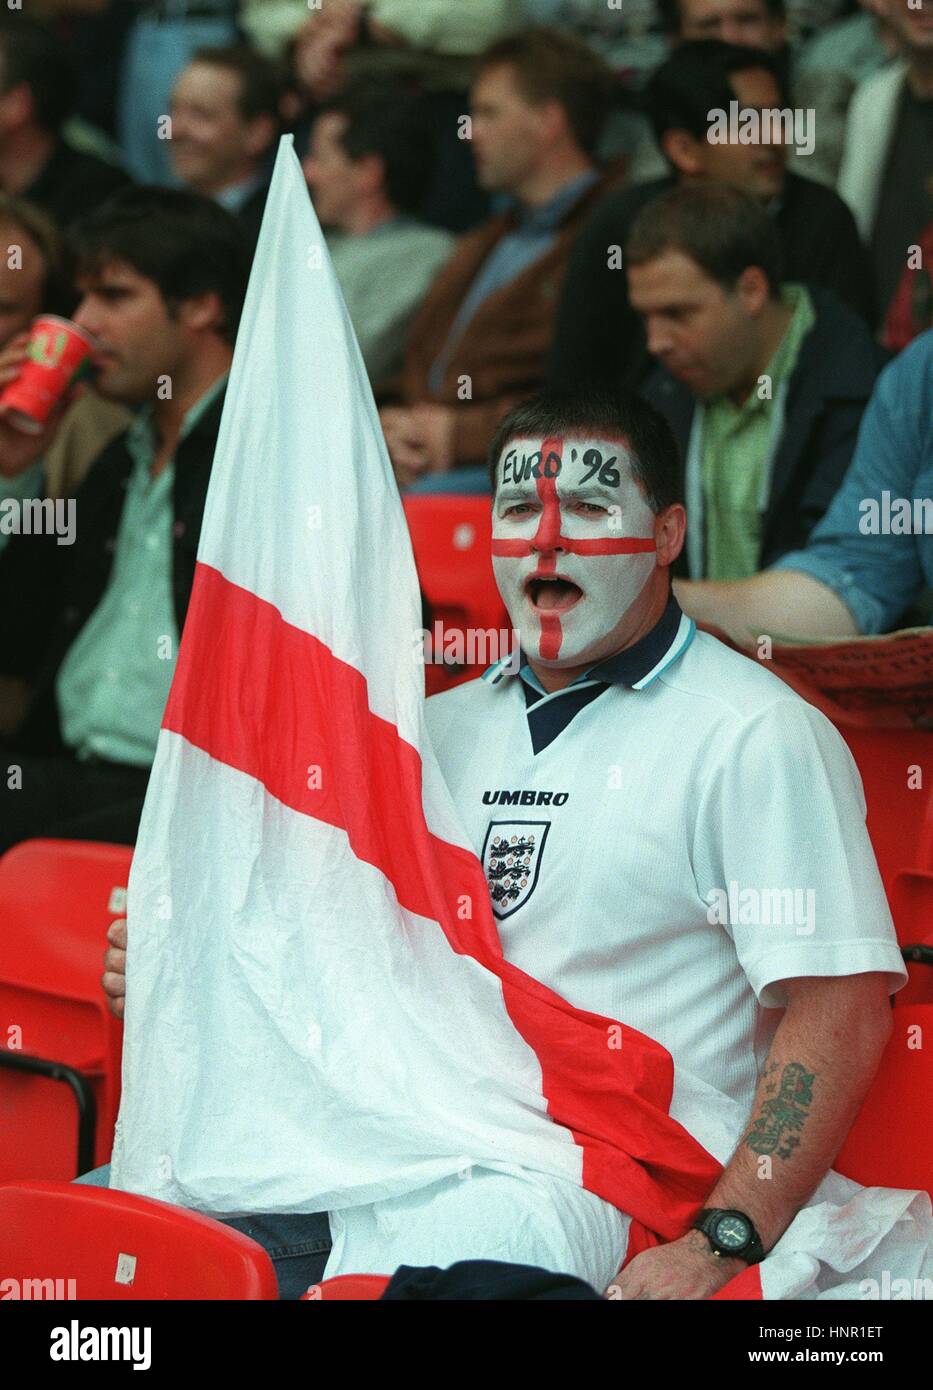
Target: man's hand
[[114, 976], [19, 450], [683, 1269], [409, 459]]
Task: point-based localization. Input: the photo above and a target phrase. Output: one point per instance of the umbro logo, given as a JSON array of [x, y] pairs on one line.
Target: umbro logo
[[524, 798]]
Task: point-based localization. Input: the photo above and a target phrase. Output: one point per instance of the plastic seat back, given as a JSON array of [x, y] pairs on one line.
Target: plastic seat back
[[57, 900], [64, 1240], [450, 536], [891, 762], [889, 1144]]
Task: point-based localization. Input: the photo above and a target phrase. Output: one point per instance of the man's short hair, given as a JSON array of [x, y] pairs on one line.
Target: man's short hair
[[671, 15], [553, 66], [21, 217], [260, 84], [695, 80], [390, 121], [32, 56], [723, 229], [184, 242], [601, 411]]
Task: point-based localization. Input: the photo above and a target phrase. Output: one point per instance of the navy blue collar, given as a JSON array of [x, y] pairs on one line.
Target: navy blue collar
[[635, 668]]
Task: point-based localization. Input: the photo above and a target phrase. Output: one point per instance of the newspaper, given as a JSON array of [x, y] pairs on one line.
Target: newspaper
[[870, 682]]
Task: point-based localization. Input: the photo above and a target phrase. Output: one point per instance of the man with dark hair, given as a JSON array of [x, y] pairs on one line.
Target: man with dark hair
[[225, 119], [758, 23], [36, 97], [162, 276], [869, 561], [479, 342], [598, 337], [763, 383], [603, 772], [368, 166], [605, 778]]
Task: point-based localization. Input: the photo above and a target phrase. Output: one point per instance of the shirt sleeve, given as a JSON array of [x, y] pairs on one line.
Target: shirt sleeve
[[784, 859], [878, 575]]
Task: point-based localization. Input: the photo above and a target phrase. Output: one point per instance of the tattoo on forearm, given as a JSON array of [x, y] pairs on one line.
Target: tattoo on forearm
[[776, 1130]]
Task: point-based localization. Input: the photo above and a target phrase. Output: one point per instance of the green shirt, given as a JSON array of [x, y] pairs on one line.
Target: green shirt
[[738, 448], [115, 678]]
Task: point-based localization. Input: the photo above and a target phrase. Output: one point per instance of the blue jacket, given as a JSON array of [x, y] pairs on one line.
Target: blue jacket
[[877, 574]]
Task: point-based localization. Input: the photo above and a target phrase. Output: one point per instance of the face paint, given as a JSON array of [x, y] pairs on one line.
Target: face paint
[[572, 542]]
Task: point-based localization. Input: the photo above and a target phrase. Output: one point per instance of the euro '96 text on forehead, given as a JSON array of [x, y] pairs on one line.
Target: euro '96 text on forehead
[[540, 464]]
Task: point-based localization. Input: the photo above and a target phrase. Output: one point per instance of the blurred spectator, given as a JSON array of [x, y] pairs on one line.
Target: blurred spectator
[[346, 45], [852, 47], [758, 23], [598, 337], [631, 41], [808, 17], [479, 341], [367, 166], [162, 277], [36, 97], [855, 576], [40, 284], [776, 26], [763, 384], [225, 119], [164, 36], [887, 168]]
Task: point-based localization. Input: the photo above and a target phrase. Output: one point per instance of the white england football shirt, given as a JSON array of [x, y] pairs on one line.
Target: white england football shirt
[[689, 833]]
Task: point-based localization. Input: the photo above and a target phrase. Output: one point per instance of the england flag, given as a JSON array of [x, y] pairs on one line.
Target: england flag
[[319, 1015]]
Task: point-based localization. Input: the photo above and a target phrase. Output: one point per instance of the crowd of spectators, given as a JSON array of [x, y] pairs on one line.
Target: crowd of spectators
[[515, 193]]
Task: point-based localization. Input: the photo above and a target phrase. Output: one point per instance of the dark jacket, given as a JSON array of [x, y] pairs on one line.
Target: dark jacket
[[250, 216], [73, 184], [599, 337], [48, 592], [827, 394]]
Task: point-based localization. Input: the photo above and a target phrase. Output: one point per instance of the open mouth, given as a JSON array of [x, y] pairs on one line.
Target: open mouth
[[552, 594]]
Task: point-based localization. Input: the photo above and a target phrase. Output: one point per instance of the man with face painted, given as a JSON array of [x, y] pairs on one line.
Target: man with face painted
[[616, 777]]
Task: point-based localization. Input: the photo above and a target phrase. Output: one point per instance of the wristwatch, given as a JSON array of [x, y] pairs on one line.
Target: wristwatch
[[731, 1234]]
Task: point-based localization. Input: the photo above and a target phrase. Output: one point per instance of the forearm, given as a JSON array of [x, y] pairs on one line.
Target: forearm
[[782, 603], [821, 1062]]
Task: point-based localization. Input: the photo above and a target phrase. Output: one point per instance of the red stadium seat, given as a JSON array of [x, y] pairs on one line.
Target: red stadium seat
[[898, 813], [889, 1144], [59, 1044], [114, 1245], [346, 1288], [450, 538], [900, 823]]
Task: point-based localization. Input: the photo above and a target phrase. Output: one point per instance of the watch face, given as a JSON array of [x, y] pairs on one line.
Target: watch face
[[732, 1231]]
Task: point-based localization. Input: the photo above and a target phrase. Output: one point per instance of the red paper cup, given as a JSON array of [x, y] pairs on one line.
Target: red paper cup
[[58, 353]]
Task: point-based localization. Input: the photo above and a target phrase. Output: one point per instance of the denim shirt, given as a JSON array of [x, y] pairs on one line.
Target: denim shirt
[[862, 548]]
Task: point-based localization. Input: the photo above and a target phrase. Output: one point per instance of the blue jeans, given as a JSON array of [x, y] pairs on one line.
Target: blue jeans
[[297, 1244]]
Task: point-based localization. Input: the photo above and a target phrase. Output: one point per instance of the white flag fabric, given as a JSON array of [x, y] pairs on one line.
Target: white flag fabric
[[318, 1016]]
